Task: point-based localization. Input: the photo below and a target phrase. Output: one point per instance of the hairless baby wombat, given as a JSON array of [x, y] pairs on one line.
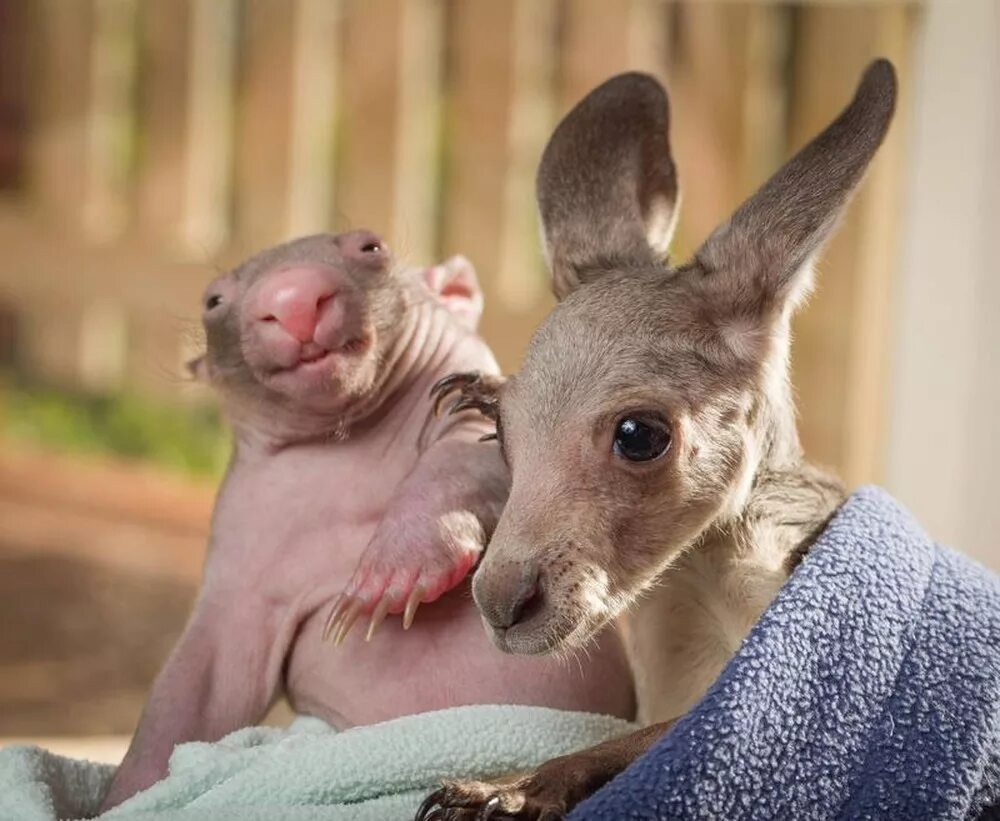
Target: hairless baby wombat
[[342, 481], [654, 413]]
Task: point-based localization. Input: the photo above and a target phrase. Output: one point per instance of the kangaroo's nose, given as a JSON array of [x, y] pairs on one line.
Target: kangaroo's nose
[[508, 594], [295, 298]]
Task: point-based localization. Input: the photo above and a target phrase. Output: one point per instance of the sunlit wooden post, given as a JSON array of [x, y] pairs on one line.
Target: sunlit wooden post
[[842, 337], [208, 172], [316, 68], [727, 86], [60, 108], [164, 118], [264, 105], [601, 39], [501, 115], [388, 161], [57, 177]]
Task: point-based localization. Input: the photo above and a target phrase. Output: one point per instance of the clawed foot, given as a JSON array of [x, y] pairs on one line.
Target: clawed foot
[[412, 559], [383, 585], [523, 799], [475, 391]]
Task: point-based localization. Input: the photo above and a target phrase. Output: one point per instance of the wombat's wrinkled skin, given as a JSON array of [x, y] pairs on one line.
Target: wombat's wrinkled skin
[[347, 497]]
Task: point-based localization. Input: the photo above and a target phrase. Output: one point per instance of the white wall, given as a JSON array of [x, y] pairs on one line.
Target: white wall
[[943, 456]]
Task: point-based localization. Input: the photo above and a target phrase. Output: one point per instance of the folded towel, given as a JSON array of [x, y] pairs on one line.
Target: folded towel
[[309, 771], [869, 689]]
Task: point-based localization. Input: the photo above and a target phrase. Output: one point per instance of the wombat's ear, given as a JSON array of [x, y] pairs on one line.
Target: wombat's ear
[[197, 368], [454, 283], [606, 186], [760, 254]]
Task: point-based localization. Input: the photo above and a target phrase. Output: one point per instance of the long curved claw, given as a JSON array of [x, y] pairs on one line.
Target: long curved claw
[[444, 387], [412, 603], [350, 616], [381, 611], [429, 804], [449, 382], [335, 612], [489, 810], [464, 403]]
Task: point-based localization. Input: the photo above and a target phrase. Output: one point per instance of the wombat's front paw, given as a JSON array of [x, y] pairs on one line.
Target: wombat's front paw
[[524, 798], [403, 567]]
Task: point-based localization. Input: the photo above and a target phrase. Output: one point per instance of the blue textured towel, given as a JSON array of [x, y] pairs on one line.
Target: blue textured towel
[[869, 689]]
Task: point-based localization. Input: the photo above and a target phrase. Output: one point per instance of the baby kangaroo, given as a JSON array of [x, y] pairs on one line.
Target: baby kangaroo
[[651, 431]]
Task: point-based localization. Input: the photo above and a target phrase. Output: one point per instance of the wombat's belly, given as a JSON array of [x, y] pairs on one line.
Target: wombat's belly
[[444, 660]]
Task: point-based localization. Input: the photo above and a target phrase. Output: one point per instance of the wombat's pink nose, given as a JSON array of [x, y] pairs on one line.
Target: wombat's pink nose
[[295, 298]]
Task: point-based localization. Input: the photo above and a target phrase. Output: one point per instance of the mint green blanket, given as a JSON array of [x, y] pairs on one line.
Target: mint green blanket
[[308, 771]]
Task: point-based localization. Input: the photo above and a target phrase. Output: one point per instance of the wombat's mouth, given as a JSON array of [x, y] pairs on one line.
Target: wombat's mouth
[[311, 352], [312, 355]]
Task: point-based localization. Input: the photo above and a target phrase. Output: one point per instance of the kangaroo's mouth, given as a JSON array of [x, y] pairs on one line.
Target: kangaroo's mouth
[[541, 602], [549, 628]]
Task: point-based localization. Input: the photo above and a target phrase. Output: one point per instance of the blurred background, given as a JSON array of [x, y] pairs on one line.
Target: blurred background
[[146, 144]]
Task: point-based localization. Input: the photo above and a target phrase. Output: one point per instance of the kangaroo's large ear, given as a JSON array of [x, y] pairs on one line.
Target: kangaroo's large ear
[[606, 186], [762, 251]]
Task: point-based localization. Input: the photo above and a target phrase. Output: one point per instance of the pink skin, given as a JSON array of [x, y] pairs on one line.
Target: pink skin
[[344, 487]]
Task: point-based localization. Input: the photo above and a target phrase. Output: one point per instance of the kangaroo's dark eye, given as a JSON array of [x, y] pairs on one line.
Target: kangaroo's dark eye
[[640, 439], [214, 301], [371, 247]]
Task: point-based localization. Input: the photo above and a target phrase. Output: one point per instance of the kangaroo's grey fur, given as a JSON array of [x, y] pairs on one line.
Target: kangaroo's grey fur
[[695, 543]]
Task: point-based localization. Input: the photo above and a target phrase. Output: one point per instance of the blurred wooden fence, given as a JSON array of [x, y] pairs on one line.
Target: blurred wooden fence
[[142, 143]]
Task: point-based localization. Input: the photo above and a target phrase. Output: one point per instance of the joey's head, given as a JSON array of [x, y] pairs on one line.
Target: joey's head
[[307, 334], [653, 396]]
